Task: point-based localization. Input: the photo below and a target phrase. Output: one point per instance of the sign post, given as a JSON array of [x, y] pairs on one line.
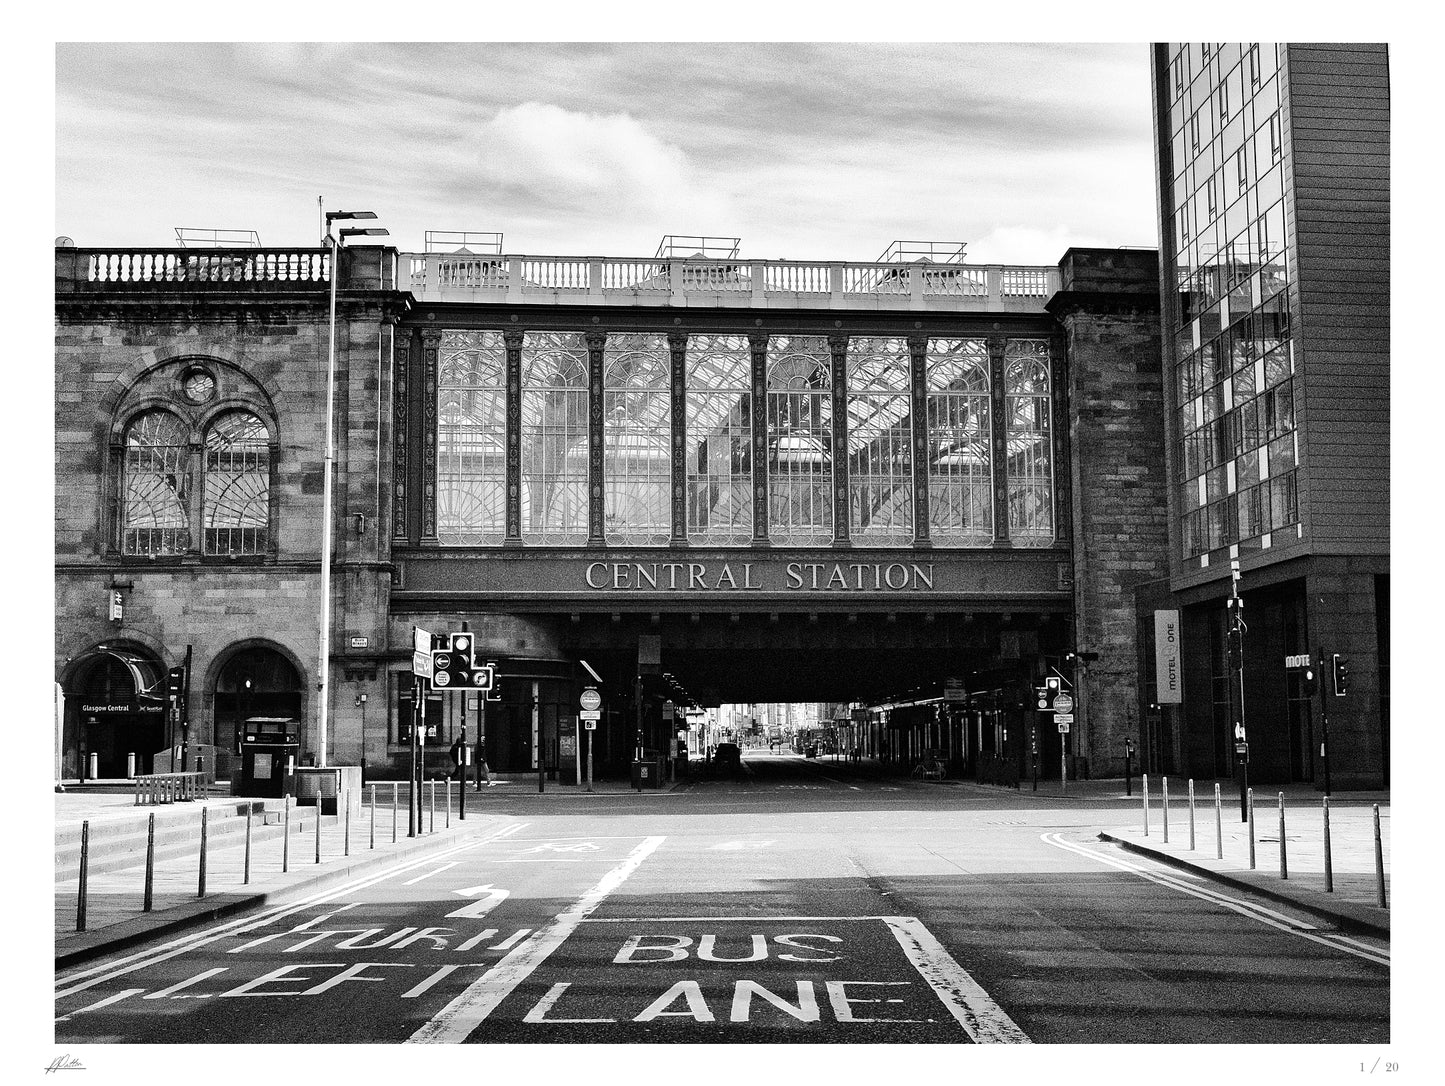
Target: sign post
[[590, 703], [1063, 717]]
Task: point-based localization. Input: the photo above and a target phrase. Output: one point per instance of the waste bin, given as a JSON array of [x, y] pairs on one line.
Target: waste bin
[[268, 746], [647, 773]]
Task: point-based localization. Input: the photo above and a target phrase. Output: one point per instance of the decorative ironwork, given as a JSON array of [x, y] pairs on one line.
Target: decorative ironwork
[[236, 499], [719, 440], [880, 442], [918, 409], [155, 486], [401, 437], [1030, 459], [677, 388], [513, 340], [758, 348], [838, 361], [554, 438], [800, 441], [471, 447], [430, 340], [960, 472]]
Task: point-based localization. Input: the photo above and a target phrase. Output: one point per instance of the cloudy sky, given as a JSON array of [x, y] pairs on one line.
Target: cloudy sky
[[804, 151]]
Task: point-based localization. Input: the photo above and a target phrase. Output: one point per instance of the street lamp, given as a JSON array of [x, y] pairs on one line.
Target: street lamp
[[323, 659]]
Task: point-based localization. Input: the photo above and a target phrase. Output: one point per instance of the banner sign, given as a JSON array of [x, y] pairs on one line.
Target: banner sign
[[1168, 677]]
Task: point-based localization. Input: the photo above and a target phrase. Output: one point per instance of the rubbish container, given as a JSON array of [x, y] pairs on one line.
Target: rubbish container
[[647, 773], [268, 746]]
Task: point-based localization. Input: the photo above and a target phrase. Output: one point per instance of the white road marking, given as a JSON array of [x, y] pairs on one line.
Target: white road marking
[[98, 974], [185, 983], [981, 1018], [106, 1002], [429, 874], [488, 898], [1245, 908], [456, 1021]]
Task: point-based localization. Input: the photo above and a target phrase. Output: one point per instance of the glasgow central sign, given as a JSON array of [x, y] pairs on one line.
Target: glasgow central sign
[[760, 577]]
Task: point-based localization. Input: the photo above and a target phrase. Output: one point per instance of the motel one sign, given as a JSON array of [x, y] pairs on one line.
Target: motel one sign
[[760, 576]]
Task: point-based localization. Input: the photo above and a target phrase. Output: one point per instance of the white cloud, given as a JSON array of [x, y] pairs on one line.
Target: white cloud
[[1032, 244]]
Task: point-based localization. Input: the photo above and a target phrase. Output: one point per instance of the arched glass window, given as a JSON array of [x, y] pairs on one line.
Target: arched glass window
[[960, 473], [155, 486], [719, 440], [554, 438], [236, 511], [800, 441], [471, 439], [1030, 459], [880, 443], [636, 413]]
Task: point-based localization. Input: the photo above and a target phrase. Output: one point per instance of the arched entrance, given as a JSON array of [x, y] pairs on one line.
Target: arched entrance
[[256, 682], [115, 706]]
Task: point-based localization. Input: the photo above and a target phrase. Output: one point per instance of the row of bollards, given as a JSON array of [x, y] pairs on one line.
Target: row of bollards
[[344, 801], [1249, 818]]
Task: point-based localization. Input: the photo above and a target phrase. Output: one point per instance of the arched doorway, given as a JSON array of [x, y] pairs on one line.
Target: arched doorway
[[115, 707], [256, 682]]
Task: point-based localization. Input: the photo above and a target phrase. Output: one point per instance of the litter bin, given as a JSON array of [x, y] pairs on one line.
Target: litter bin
[[647, 773], [268, 746]]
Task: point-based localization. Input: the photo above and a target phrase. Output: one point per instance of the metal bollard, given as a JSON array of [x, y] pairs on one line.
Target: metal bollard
[[373, 816], [1165, 806], [201, 885], [1191, 814], [150, 863], [1144, 777], [346, 822], [1379, 861], [1283, 865], [84, 875], [393, 812], [1249, 808], [431, 789], [1218, 825], [318, 821], [246, 863], [447, 815], [285, 834], [130, 766], [1329, 861]]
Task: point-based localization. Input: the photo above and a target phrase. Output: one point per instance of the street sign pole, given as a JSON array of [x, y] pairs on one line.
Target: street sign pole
[[416, 719], [1324, 718], [590, 733]]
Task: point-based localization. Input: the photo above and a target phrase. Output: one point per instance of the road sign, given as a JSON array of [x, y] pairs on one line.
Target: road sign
[[1064, 728], [589, 725], [1063, 718], [421, 652], [442, 678], [1063, 703], [953, 690], [591, 714], [590, 699]]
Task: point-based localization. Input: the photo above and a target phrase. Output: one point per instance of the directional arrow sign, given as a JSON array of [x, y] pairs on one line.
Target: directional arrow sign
[[488, 898]]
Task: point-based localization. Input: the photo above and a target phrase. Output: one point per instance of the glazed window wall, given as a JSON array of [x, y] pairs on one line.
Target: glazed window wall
[[800, 441], [880, 443], [236, 491], [471, 438], [1236, 452], [554, 438], [719, 426], [637, 468], [155, 486], [1029, 443], [960, 468]]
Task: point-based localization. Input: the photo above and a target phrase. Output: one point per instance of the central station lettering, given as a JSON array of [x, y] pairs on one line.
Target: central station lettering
[[757, 577]]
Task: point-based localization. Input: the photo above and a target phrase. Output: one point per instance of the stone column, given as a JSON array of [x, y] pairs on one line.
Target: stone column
[[998, 420]]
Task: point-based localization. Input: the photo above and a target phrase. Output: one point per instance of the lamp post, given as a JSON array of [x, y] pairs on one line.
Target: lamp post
[[323, 658]]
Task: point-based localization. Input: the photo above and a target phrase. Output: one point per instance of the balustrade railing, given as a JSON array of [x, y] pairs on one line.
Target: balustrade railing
[[239, 266]]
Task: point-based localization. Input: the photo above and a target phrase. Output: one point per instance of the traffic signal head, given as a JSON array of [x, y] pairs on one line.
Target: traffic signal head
[[1341, 675], [175, 682], [1308, 679]]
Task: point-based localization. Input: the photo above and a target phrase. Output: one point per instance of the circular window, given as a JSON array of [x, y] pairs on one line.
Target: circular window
[[198, 386]]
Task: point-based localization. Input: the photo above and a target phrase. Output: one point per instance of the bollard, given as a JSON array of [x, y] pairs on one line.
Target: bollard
[[346, 824], [447, 815], [246, 862], [393, 812], [373, 816], [1144, 777], [431, 793], [1191, 814], [318, 821], [1249, 817], [1329, 862], [150, 863], [1218, 825], [201, 886], [84, 875], [201, 778], [285, 834], [1165, 808], [94, 766], [1283, 866], [1379, 861], [130, 766]]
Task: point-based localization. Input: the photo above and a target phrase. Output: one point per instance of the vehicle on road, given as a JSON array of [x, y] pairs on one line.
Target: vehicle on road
[[728, 757]]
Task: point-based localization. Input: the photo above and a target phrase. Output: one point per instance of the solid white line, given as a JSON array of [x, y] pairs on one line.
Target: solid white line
[[455, 1022], [151, 956], [982, 1019], [106, 1002], [429, 874], [1244, 908]]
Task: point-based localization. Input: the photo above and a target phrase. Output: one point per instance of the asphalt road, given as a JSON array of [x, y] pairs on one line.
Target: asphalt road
[[802, 902]]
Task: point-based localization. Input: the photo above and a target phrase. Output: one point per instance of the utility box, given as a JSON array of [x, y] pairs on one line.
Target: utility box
[[647, 773], [269, 751]]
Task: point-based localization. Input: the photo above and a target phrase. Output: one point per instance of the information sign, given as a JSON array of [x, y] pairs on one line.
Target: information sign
[[421, 652], [1063, 703], [1063, 718], [589, 725], [591, 714], [590, 699], [1064, 728]]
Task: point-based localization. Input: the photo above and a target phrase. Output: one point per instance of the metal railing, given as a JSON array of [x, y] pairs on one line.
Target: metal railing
[[168, 787]]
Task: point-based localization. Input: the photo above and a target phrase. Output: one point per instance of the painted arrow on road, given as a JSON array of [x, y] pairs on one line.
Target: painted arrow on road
[[488, 898]]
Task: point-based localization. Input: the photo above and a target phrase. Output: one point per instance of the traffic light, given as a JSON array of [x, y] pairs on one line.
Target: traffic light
[[1309, 681], [1342, 675], [175, 683]]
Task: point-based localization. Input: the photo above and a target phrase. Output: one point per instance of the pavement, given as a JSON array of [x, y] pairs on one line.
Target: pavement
[[286, 865]]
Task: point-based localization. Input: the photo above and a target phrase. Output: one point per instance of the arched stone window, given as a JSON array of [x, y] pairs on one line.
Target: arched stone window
[[236, 507], [155, 485]]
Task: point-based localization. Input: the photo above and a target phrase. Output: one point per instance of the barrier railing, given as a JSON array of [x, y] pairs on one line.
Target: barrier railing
[[168, 787]]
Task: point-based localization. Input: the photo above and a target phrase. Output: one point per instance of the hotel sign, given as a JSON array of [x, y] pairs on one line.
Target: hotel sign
[[1168, 677]]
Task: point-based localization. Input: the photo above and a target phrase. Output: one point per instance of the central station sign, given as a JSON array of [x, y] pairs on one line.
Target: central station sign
[[757, 576]]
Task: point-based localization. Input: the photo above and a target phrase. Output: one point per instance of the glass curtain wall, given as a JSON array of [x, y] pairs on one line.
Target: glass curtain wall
[[880, 443], [554, 439], [800, 439], [637, 465], [1030, 454], [719, 441], [471, 439], [960, 468]]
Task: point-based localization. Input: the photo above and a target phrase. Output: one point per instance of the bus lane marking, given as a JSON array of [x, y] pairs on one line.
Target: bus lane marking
[[456, 1021]]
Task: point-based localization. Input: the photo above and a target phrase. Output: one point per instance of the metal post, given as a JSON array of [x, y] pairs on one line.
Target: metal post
[[393, 812], [1164, 807], [1283, 864], [373, 816], [246, 862], [285, 834], [1218, 824], [462, 781], [431, 793], [85, 875], [590, 735], [150, 863], [447, 810], [1249, 810], [130, 766], [201, 887], [1379, 861], [1144, 777], [1329, 860], [318, 819], [346, 832], [1191, 814]]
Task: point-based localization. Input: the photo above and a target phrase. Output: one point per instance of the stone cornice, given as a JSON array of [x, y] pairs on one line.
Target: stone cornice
[[1110, 303], [271, 307]]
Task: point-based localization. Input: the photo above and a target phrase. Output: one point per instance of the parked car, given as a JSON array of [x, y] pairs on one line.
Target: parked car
[[728, 756]]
